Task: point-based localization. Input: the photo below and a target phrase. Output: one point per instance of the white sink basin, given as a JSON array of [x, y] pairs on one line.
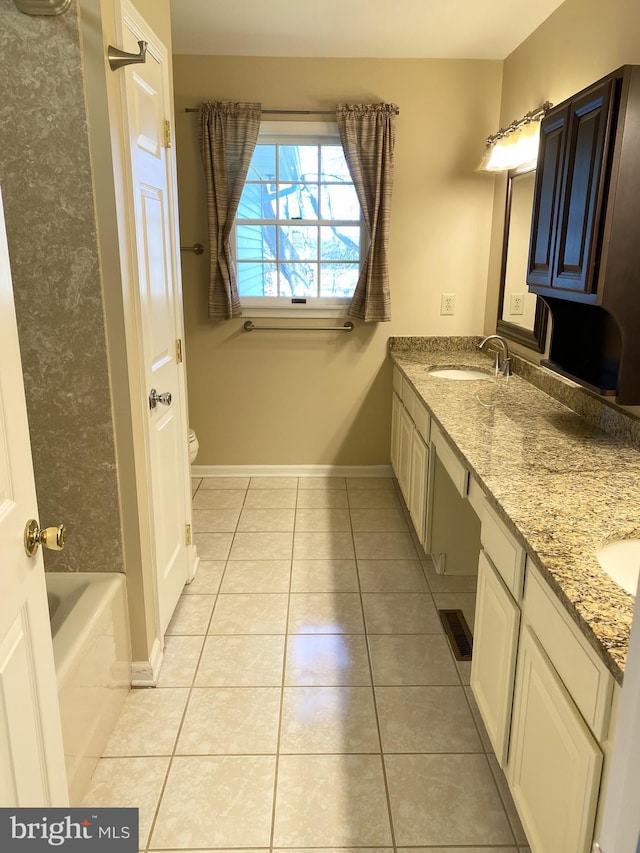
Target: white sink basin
[[460, 373], [621, 561]]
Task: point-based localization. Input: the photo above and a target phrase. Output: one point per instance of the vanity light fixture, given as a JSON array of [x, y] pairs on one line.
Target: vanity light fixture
[[515, 146]]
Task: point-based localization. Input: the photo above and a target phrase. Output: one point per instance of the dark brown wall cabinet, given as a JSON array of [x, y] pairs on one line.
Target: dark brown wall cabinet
[[584, 258]]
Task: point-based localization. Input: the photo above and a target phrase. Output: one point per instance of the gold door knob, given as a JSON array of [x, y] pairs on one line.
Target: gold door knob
[[52, 538]]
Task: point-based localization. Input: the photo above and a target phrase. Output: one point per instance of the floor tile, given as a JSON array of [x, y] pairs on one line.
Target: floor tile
[[241, 661], [262, 546], [426, 719], [212, 546], [322, 483], [331, 801], [192, 614], [250, 613], [384, 546], [373, 499], [266, 520], [273, 483], [400, 613], [327, 660], [256, 576], [322, 499], [369, 483], [215, 520], [271, 499], [328, 719], [207, 579], [216, 801], [129, 783], [195, 485], [464, 670], [325, 613], [412, 659], [465, 601], [231, 720], [324, 576], [181, 654], [507, 800], [219, 499], [322, 545], [446, 800], [475, 711], [456, 850], [148, 723], [391, 519], [323, 519], [391, 576], [224, 483]]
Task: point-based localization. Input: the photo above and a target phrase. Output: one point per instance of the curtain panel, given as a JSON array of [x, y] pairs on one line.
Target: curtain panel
[[367, 132], [228, 136]]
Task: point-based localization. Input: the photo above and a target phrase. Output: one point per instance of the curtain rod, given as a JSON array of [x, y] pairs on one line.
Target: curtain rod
[[285, 112]]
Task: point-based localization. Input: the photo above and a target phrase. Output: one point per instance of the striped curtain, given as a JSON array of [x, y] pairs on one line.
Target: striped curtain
[[367, 132], [228, 136]]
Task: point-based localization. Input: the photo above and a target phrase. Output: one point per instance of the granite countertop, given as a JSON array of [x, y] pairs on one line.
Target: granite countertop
[[562, 485]]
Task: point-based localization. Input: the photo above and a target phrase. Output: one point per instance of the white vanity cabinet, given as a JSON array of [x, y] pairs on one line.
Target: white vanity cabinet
[[410, 427]]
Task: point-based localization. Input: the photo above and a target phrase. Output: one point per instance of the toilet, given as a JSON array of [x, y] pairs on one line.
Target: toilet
[[193, 446]]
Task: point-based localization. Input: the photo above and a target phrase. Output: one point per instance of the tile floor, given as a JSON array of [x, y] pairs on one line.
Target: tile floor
[[309, 698]]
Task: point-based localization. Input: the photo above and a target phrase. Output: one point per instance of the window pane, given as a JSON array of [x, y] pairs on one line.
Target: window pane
[[257, 279], [339, 202], [298, 242], [333, 165], [338, 279], [257, 201], [263, 164], [298, 201], [256, 242], [298, 162], [298, 280], [339, 243]]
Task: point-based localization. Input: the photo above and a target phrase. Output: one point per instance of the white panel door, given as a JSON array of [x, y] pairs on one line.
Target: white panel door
[[31, 753], [147, 100]]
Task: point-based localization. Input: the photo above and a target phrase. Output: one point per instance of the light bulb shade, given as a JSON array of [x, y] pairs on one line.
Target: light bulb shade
[[515, 150]]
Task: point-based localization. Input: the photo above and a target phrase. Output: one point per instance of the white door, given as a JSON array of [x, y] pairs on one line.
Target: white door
[[31, 753], [148, 106]]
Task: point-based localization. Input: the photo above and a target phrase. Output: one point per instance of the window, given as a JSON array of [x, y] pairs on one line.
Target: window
[[298, 232]]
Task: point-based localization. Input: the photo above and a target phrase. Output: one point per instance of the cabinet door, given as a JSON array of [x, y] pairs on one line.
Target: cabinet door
[[396, 406], [581, 201], [546, 197], [405, 436], [554, 762], [418, 485], [495, 644]]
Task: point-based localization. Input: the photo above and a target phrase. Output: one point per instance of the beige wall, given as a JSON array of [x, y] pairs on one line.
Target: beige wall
[[581, 42], [295, 398]]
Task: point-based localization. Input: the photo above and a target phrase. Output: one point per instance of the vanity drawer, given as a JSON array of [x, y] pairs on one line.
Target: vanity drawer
[[504, 550], [397, 382], [452, 465], [422, 420], [583, 673]]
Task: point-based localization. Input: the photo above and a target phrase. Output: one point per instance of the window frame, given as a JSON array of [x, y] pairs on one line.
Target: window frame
[[299, 133]]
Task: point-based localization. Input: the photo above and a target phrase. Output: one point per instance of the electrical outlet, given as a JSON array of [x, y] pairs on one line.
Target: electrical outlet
[[447, 303], [516, 304]]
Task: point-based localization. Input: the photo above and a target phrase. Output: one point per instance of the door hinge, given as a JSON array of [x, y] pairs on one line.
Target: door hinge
[[187, 534], [167, 133], [179, 351]]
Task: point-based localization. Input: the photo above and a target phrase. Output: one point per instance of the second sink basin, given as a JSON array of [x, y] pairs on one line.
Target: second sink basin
[[621, 561], [460, 373]]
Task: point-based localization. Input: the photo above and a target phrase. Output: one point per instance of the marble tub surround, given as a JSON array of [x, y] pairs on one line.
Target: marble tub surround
[[560, 483]]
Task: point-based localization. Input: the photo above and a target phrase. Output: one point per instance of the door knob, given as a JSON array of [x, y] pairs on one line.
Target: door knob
[[52, 538], [155, 398]]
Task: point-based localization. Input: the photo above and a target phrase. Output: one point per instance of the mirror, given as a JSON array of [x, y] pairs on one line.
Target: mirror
[[522, 317]]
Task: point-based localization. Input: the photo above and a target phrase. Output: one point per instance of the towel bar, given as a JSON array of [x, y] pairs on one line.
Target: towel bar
[[250, 327]]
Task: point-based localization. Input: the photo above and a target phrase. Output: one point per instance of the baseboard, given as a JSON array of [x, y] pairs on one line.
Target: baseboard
[[144, 673], [291, 471]]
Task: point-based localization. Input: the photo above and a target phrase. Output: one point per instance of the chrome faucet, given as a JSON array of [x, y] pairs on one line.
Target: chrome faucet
[[505, 367]]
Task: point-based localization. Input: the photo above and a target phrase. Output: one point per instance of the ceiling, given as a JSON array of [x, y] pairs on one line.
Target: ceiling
[[438, 29]]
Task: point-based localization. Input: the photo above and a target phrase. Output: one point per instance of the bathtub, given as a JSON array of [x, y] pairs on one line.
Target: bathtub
[[92, 653]]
